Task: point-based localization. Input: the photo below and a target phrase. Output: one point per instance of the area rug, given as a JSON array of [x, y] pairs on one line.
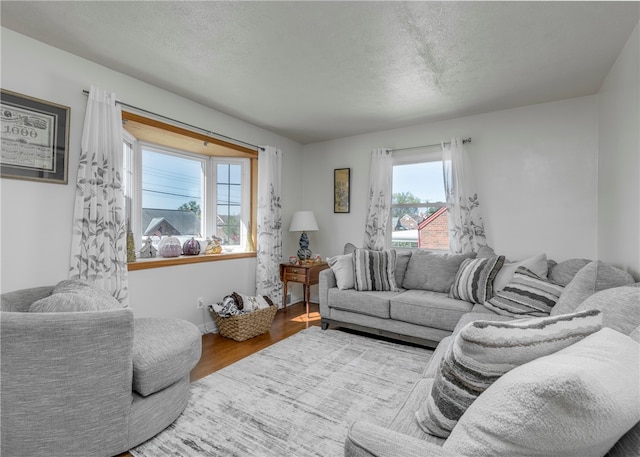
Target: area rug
[[294, 398]]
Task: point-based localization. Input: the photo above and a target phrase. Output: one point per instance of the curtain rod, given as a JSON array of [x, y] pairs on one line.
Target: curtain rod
[[208, 132], [466, 140]]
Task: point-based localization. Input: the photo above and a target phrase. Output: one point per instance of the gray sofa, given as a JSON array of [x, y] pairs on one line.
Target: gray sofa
[[413, 315], [425, 314], [403, 437], [81, 377]]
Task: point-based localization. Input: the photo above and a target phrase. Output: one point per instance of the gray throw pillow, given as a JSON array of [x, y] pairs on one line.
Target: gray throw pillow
[[526, 295], [342, 267], [563, 272], [620, 307], [402, 262], [75, 295], [575, 402], [537, 264], [374, 270], [474, 280], [432, 271], [591, 278], [483, 351], [64, 303]]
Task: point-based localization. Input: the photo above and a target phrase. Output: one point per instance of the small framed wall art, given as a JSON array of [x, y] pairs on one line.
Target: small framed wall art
[[341, 190], [35, 138]]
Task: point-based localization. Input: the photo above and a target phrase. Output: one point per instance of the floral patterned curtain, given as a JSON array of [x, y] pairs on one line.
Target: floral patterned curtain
[[380, 180], [269, 225], [466, 229], [99, 239]]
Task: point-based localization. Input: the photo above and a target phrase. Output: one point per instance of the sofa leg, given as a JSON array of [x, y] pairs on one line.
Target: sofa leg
[[324, 325]]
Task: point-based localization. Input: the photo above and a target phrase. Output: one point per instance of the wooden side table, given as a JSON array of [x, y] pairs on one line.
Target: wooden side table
[[307, 274]]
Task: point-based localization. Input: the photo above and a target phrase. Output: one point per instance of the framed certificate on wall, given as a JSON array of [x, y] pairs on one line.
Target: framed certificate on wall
[[35, 138]]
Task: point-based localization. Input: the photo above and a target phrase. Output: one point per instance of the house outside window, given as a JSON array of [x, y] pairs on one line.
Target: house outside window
[[418, 208]]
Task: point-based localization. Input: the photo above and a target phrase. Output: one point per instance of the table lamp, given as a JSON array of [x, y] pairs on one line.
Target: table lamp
[[303, 221]]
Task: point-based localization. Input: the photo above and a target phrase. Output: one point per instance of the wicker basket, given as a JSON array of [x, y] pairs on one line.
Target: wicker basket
[[245, 326]]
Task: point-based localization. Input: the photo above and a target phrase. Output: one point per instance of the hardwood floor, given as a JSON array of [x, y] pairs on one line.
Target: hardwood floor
[[219, 352]]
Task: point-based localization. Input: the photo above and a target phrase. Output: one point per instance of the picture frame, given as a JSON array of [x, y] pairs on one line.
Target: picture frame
[[342, 190], [35, 138]]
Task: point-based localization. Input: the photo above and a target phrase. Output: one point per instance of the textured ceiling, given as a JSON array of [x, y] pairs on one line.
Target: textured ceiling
[[313, 71]]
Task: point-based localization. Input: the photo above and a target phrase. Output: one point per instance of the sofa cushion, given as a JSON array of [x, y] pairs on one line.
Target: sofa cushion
[[75, 295], [526, 295], [576, 402], [563, 272], [536, 264], [620, 307], [431, 309], [164, 351], [592, 278], [483, 351], [371, 303], [433, 271], [374, 270], [474, 280], [342, 267]]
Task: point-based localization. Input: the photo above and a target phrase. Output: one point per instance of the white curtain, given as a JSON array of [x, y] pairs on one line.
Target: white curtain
[[466, 229], [269, 249], [99, 240], [380, 180]]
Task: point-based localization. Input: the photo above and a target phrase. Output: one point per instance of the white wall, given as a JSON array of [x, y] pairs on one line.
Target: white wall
[[535, 168], [36, 217], [619, 161]]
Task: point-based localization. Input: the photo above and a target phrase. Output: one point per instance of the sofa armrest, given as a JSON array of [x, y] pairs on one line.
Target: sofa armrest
[[65, 382], [368, 440], [327, 280]]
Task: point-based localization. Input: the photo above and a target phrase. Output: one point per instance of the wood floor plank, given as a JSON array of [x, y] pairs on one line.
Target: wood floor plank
[[219, 352]]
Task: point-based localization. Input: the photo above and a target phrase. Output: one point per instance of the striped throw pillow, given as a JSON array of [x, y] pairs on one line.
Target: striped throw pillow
[[526, 295], [474, 280], [374, 270], [483, 351]]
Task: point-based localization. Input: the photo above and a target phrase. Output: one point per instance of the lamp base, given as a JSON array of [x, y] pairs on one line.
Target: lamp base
[[304, 253]]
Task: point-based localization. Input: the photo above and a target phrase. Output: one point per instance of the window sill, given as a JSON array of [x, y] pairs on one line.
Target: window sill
[[160, 262]]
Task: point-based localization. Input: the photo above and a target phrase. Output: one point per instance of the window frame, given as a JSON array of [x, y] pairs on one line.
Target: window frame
[[410, 159], [164, 137]]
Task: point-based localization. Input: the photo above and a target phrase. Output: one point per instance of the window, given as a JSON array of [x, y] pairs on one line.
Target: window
[[178, 187], [418, 208], [172, 193]]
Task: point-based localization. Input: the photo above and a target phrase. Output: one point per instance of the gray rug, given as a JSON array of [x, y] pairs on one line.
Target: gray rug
[[295, 398]]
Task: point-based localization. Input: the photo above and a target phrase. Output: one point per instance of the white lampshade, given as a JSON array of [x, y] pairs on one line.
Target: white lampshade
[[303, 221]]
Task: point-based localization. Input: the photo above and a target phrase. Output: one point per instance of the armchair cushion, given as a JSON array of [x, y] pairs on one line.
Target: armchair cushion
[[74, 295], [164, 350]]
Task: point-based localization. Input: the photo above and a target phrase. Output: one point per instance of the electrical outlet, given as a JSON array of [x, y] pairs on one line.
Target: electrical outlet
[[199, 302]]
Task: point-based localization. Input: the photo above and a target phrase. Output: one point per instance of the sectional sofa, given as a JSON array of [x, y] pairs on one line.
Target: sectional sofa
[[531, 357], [422, 309], [579, 401]]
